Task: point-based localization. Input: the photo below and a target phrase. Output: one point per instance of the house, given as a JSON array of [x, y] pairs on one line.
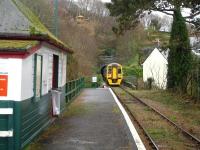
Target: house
[[196, 49], [32, 63], [155, 67]]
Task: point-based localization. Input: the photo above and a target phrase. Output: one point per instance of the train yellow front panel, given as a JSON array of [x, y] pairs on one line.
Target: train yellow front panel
[[114, 74]]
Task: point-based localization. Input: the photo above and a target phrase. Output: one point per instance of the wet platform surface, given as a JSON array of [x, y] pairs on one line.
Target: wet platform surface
[[93, 122]]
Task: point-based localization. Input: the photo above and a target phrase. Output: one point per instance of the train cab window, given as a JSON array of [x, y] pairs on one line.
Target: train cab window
[[109, 70], [119, 71]]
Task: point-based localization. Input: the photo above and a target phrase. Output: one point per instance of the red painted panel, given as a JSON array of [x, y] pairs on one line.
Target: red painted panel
[[3, 85], [20, 55]]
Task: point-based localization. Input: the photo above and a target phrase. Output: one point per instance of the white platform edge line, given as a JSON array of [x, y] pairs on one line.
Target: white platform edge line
[[6, 111], [133, 131]]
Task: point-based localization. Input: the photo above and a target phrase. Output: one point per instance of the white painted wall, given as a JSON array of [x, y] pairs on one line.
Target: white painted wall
[[13, 68], [64, 68], [28, 71], [27, 77], [155, 66]]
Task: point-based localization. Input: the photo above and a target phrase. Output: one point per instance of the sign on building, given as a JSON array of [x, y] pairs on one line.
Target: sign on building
[[3, 85], [94, 79]]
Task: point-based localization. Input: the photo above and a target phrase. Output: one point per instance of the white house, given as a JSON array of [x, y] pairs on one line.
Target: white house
[[155, 67]]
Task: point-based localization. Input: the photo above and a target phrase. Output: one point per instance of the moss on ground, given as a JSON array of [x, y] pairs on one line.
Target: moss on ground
[[36, 145], [116, 110], [77, 109]]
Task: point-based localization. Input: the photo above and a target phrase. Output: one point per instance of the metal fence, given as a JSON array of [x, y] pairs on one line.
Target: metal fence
[[73, 88], [22, 121], [89, 84]]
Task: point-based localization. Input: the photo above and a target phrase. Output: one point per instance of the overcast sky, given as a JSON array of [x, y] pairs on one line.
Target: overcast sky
[[102, 0], [106, 0]]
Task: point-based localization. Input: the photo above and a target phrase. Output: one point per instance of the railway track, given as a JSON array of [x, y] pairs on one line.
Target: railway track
[[151, 142]]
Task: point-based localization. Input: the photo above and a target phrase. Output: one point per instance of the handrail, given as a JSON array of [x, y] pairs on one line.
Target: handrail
[[73, 88]]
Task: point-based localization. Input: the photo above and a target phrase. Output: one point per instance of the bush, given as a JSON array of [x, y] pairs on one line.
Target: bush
[[132, 71]]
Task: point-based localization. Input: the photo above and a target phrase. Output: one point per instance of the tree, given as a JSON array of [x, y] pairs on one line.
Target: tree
[[128, 12], [179, 60]]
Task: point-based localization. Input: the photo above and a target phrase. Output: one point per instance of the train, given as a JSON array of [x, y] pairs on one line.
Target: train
[[112, 74]]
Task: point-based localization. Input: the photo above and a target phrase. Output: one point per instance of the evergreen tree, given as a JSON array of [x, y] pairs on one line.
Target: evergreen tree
[[179, 60]]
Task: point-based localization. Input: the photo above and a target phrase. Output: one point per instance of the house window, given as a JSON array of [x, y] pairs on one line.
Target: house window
[[38, 76]]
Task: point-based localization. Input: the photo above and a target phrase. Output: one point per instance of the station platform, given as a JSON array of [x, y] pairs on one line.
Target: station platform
[[98, 124]]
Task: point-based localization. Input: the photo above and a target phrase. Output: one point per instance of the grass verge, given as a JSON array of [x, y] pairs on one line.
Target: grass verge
[[179, 109]]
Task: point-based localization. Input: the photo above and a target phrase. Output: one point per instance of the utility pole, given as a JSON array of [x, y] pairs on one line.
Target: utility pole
[[198, 80], [56, 18]]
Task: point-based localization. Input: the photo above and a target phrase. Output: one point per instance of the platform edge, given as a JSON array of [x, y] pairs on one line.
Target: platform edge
[[132, 129]]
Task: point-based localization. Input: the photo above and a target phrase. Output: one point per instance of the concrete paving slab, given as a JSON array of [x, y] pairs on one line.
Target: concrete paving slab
[[98, 124]]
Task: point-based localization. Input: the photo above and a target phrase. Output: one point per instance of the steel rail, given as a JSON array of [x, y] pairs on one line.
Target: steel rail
[[148, 137], [184, 132]]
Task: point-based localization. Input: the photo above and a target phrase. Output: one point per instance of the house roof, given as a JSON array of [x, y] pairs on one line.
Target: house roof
[[18, 48], [163, 53], [39, 38], [196, 52], [16, 45], [36, 32], [196, 49]]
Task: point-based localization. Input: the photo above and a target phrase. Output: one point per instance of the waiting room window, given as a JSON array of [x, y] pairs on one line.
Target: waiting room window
[[38, 75]]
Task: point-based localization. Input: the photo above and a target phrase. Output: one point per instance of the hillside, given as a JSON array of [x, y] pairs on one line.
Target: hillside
[[83, 37], [92, 36]]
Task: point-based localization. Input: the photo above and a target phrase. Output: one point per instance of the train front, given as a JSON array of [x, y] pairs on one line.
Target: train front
[[113, 74]]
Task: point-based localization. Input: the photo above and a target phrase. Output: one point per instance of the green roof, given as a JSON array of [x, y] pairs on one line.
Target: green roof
[[37, 27], [17, 44]]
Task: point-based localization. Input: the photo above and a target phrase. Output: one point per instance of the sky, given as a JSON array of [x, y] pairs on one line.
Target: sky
[[105, 0]]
